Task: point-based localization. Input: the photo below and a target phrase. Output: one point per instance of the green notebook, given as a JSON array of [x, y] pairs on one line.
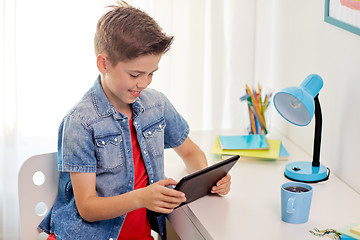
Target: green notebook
[[243, 142]]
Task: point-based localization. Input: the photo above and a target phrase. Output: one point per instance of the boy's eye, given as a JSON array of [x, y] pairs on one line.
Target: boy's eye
[[134, 75]]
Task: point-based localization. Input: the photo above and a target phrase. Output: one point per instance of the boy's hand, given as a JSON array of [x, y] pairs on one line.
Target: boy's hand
[[158, 198], [222, 186]]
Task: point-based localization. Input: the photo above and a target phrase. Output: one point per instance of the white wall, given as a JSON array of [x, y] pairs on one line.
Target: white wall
[[293, 41]]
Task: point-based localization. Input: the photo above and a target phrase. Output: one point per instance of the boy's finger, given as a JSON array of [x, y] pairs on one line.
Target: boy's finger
[[172, 193], [167, 182], [222, 191], [224, 180], [174, 201]]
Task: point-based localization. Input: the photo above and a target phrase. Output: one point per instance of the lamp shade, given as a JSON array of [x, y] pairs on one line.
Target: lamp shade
[[296, 104]]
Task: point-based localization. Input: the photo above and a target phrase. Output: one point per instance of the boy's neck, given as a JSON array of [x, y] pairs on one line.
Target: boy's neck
[[124, 109]]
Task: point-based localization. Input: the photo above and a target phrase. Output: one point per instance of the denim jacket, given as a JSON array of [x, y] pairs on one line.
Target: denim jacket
[[95, 137]]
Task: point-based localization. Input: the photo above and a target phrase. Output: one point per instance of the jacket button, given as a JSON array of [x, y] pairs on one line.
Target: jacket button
[[111, 239]]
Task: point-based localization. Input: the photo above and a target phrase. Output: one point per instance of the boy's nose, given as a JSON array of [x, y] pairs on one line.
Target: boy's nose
[[144, 82]]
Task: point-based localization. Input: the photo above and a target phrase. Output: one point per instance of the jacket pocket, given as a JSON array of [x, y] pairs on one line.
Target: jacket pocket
[[154, 136], [109, 151]]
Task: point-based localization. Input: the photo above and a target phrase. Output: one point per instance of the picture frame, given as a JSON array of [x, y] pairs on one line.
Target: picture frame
[[344, 14]]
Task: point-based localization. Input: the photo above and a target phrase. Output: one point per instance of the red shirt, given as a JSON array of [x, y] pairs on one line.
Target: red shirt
[[136, 224]]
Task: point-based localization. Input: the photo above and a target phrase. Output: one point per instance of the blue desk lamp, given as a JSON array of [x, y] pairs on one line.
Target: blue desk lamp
[[297, 105]]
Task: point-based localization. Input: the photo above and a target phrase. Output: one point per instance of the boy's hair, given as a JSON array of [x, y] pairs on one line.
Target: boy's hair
[[125, 33]]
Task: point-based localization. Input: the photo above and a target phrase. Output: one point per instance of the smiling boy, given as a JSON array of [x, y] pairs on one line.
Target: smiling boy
[[111, 144]]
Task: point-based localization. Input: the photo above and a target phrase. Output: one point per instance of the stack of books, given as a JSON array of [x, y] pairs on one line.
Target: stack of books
[[252, 145]]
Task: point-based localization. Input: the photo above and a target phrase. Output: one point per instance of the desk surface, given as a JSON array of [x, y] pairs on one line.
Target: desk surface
[[252, 208]]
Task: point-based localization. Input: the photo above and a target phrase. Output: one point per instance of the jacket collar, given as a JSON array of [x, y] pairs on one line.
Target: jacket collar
[[103, 106]]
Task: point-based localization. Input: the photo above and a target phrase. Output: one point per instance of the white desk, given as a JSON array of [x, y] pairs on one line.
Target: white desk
[[252, 208]]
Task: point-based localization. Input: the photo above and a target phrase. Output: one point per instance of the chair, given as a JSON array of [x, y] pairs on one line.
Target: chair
[[38, 186]]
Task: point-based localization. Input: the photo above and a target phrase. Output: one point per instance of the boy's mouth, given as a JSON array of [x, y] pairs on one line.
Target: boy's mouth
[[135, 93]]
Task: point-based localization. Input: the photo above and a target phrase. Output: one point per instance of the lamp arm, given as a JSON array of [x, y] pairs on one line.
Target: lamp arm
[[317, 135]]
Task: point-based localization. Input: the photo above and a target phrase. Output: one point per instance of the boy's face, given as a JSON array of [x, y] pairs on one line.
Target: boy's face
[[124, 82]]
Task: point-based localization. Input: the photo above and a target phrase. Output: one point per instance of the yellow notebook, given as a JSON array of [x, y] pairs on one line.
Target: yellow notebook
[[271, 153]]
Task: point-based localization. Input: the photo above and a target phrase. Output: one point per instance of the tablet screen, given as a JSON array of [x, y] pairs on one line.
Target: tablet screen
[[199, 184]]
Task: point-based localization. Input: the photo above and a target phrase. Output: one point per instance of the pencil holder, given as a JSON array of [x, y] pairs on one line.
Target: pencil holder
[[255, 126], [258, 110]]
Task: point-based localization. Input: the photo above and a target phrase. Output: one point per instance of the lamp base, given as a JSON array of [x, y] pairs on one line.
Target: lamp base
[[305, 172]]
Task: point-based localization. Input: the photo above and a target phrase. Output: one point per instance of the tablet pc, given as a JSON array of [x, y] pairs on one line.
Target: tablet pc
[[199, 184]]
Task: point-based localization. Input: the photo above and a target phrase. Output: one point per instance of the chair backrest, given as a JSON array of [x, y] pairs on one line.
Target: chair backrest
[[38, 186]]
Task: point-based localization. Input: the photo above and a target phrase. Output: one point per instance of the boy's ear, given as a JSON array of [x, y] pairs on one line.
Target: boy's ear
[[101, 63]]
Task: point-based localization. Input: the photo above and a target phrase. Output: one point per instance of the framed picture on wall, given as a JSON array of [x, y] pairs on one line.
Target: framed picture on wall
[[344, 14]]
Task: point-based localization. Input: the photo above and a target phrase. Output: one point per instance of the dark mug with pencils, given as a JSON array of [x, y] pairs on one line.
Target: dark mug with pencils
[[258, 107]]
